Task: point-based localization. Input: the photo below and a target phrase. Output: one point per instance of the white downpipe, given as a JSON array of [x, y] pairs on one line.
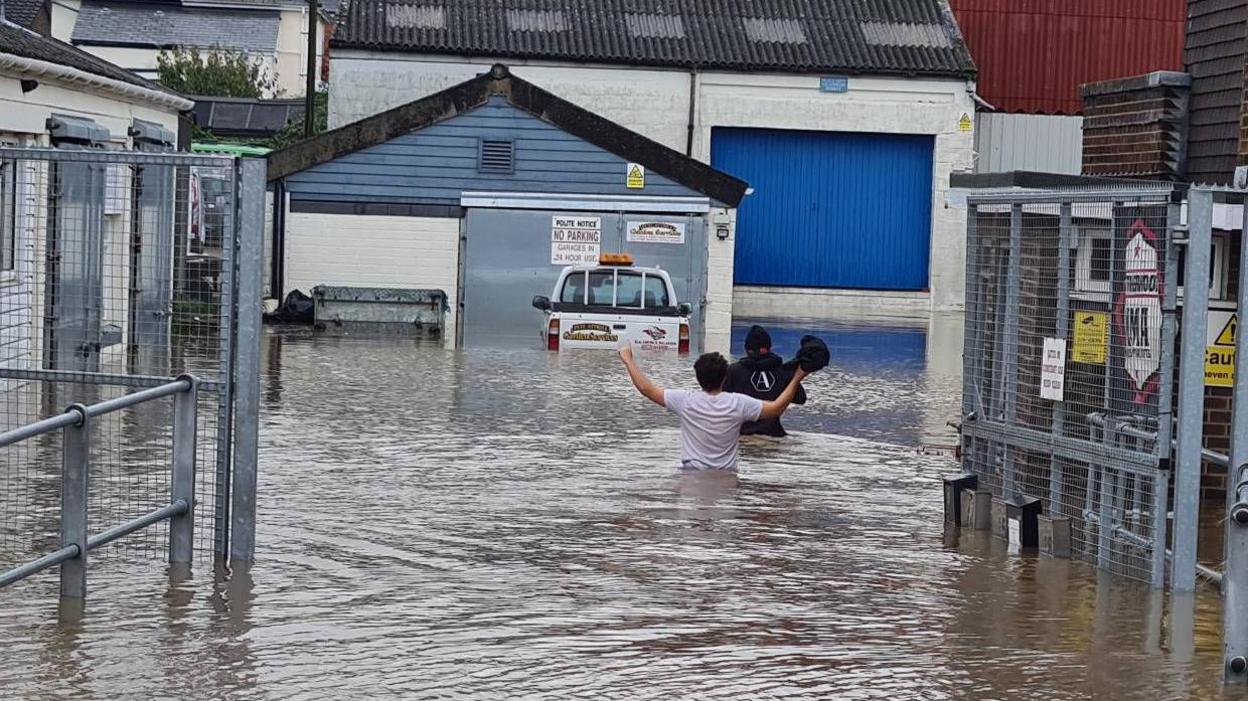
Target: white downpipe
[[34, 68]]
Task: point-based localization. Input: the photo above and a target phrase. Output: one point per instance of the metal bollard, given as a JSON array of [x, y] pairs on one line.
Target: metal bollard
[[75, 473], [185, 425]]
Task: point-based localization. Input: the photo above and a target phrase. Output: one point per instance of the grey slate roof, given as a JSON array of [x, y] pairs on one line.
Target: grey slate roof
[[22, 43], [22, 12], [906, 37], [161, 25]]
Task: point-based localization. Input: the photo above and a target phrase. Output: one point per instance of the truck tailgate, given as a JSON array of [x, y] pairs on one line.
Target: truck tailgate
[[605, 331]]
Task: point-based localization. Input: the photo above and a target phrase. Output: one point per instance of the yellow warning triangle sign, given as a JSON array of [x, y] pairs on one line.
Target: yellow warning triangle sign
[[1227, 335]]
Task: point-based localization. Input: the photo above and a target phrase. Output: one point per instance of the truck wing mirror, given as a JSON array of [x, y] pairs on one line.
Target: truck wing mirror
[[684, 308], [542, 303]]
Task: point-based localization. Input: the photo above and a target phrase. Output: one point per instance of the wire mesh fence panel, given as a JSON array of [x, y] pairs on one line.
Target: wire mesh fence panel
[[1070, 345], [116, 273]]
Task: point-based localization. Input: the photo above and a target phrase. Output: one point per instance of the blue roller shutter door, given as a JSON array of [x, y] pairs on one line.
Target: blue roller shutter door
[[830, 209]]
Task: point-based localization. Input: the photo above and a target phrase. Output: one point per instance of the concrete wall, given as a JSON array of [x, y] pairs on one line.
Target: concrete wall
[[383, 251], [656, 103]]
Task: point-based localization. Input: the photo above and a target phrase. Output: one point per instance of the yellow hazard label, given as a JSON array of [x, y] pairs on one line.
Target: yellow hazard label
[[1220, 351], [1226, 337], [964, 124], [636, 176], [1091, 338]]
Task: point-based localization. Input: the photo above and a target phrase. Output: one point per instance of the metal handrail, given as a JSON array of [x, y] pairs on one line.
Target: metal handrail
[[75, 456]]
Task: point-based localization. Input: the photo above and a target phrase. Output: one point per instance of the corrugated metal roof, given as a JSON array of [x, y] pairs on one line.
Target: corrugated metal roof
[[1215, 60], [916, 37], [159, 25], [20, 42], [1034, 54]]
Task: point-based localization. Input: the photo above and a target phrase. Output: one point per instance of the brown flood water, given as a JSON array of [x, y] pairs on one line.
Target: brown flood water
[[508, 524]]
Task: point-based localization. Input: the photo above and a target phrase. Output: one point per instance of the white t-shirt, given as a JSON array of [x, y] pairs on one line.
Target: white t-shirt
[[710, 425]]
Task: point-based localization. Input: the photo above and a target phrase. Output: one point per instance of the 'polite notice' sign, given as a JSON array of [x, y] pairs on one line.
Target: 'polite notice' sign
[[575, 240]]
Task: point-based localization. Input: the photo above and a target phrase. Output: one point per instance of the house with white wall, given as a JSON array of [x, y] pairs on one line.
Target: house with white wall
[[845, 118], [132, 33], [55, 95]]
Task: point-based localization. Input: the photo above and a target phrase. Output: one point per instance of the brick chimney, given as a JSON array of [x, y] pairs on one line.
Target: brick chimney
[[1137, 126]]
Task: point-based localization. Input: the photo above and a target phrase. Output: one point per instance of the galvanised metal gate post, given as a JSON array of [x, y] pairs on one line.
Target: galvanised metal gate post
[[1066, 241], [1165, 400], [1191, 389], [1010, 375], [75, 473], [249, 301], [185, 424], [1235, 579]]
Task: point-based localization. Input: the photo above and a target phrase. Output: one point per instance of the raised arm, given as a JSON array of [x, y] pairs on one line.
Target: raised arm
[[776, 407], [644, 384]]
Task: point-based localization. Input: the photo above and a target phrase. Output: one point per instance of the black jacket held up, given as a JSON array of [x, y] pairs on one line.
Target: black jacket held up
[[763, 377]]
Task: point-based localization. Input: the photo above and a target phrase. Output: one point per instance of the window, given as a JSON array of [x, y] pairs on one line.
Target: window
[[1094, 264], [573, 289], [656, 292], [628, 289], [601, 288], [1217, 264], [1098, 270], [8, 215], [1094, 261]]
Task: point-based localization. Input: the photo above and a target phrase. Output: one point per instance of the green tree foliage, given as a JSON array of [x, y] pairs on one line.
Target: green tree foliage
[[217, 73], [293, 131]]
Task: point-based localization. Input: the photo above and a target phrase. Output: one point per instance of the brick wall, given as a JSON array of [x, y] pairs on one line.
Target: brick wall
[[1137, 126]]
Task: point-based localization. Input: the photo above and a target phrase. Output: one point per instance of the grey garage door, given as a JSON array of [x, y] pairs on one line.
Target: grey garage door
[[508, 259]]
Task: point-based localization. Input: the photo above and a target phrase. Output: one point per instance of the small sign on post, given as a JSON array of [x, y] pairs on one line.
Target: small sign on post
[[1053, 369]]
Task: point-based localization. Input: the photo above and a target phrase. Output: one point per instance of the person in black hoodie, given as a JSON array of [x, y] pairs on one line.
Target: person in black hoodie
[[763, 375]]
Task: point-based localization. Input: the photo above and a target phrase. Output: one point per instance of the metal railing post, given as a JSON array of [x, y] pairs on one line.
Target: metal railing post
[[1191, 390], [1010, 373], [1165, 397], [1066, 242], [1235, 580], [185, 425], [247, 363], [75, 473]]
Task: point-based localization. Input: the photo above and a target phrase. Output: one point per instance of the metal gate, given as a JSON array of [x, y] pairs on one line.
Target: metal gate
[[1069, 362], [122, 270], [507, 260]]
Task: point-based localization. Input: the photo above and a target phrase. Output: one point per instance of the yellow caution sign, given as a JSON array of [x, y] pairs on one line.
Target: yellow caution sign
[[964, 124], [1091, 337], [1220, 351], [636, 176]]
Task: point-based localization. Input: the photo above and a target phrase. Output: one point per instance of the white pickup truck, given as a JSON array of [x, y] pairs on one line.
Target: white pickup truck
[[597, 306]]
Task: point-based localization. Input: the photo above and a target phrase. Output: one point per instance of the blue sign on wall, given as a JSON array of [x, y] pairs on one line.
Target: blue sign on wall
[[834, 83]]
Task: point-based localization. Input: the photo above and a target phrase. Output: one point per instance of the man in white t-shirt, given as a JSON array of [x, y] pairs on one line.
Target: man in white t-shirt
[[710, 420]]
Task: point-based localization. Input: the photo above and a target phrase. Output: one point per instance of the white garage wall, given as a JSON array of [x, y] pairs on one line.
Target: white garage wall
[[655, 103], [374, 251]]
